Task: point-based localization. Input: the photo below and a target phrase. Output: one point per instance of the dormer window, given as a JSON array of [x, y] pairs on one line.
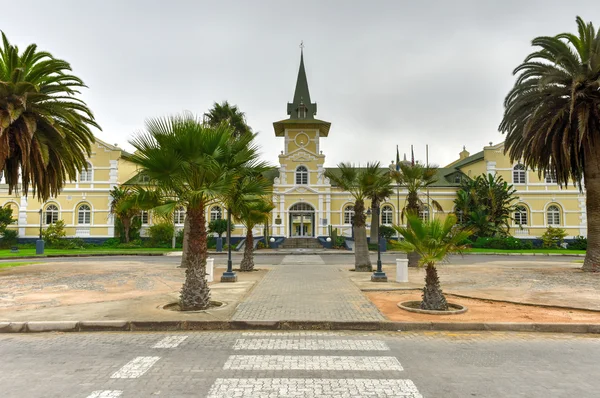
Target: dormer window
[[302, 111]]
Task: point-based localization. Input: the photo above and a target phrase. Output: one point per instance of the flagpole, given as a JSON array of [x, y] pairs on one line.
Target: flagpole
[[397, 191], [427, 161]]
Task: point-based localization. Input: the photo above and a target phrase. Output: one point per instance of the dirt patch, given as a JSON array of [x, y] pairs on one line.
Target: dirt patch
[[479, 311]]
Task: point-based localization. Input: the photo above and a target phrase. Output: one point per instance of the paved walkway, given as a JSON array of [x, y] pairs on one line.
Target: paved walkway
[[304, 288]]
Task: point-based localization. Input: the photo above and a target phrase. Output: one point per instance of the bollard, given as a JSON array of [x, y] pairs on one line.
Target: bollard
[[402, 270], [39, 247], [219, 242], [210, 268]]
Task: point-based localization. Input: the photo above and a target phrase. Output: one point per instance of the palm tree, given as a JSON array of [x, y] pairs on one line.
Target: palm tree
[[251, 213], [187, 161], [552, 118], [358, 182], [45, 133], [415, 178], [229, 114], [378, 193], [123, 205], [433, 241]]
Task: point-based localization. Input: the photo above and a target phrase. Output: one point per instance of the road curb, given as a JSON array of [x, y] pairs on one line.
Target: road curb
[[151, 326], [41, 257]]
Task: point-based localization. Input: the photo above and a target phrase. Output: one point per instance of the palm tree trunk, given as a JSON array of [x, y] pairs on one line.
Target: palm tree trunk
[[413, 208], [592, 203], [248, 259], [433, 298], [195, 294], [126, 227], [362, 261], [185, 243], [374, 221]]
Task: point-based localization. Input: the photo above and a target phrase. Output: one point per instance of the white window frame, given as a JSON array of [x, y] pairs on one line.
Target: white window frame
[[84, 214], [301, 175], [553, 214], [216, 213], [519, 174], [424, 214], [348, 214], [387, 215], [520, 214], [179, 216], [86, 175], [54, 213]]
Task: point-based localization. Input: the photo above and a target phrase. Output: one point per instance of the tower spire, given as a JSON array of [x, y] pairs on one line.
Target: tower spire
[[302, 108]]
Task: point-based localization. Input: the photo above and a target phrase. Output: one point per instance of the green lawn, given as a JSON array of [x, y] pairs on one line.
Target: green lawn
[[15, 264], [541, 251], [94, 250]]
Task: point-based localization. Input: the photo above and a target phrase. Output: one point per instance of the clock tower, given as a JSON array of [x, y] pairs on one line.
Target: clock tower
[[301, 208]]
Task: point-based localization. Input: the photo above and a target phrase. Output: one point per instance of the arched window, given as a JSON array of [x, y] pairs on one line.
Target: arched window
[[521, 215], [215, 213], [387, 215], [301, 175], [553, 215], [15, 211], [550, 177], [85, 175], [51, 214], [348, 214], [519, 174], [179, 215], [84, 215], [424, 214]]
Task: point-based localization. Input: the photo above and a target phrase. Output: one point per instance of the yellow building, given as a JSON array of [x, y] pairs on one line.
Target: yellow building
[[306, 202]]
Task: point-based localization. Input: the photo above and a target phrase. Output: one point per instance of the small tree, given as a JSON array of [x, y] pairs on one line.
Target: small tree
[[553, 237], [252, 213], [219, 227], [433, 241], [124, 207], [54, 232]]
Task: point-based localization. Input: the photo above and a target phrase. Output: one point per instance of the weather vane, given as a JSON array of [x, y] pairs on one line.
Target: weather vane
[[302, 44]]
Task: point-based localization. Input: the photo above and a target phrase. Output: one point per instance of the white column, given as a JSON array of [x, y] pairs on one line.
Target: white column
[[583, 216], [22, 216], [282, 215], [320, 217], [328, 208]]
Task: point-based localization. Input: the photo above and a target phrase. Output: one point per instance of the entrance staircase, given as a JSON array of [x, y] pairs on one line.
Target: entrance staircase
[[301, 243]]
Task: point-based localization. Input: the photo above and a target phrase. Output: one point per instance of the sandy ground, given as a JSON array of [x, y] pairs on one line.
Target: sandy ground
[[479, 310]]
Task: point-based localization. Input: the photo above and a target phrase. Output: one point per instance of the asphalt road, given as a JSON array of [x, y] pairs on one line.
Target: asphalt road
[[298, 364]]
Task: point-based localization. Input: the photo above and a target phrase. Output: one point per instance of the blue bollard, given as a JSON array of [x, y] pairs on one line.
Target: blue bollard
[[219, 244], [39, 246]]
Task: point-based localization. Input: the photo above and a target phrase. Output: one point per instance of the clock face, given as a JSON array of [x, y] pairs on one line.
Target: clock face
[[301, 139]]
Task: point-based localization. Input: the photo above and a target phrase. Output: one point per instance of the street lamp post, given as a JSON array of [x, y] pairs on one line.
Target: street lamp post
[[378, 275], [229, 275], [39, 244]]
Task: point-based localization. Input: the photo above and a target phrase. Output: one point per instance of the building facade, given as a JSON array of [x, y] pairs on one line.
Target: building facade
[[306, 203]]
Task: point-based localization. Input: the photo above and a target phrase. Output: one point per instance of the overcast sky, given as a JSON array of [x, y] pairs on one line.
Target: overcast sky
[[384, 73]]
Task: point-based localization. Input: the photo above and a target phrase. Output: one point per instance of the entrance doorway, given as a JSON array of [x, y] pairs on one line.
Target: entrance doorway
[[302, 221]]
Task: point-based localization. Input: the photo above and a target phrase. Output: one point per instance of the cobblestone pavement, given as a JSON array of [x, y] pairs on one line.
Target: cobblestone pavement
[[207, 364], [304, 288]]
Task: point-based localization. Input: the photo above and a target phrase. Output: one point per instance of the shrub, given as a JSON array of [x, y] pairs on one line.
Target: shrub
[[219, 227], [134, 244], [9, 238], [112, 242], [339, 242], [179, 238], [54, 232], [63, 243], [579, 243], [261, 245], [553, 237], [502, 243], [386, 232], [161, 235]]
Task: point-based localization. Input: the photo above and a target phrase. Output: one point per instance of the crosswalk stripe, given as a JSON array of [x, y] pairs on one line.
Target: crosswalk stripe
[[170, 342], [105, 394], [306, 362], [135, 368], [314, 388], [309, 344]]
